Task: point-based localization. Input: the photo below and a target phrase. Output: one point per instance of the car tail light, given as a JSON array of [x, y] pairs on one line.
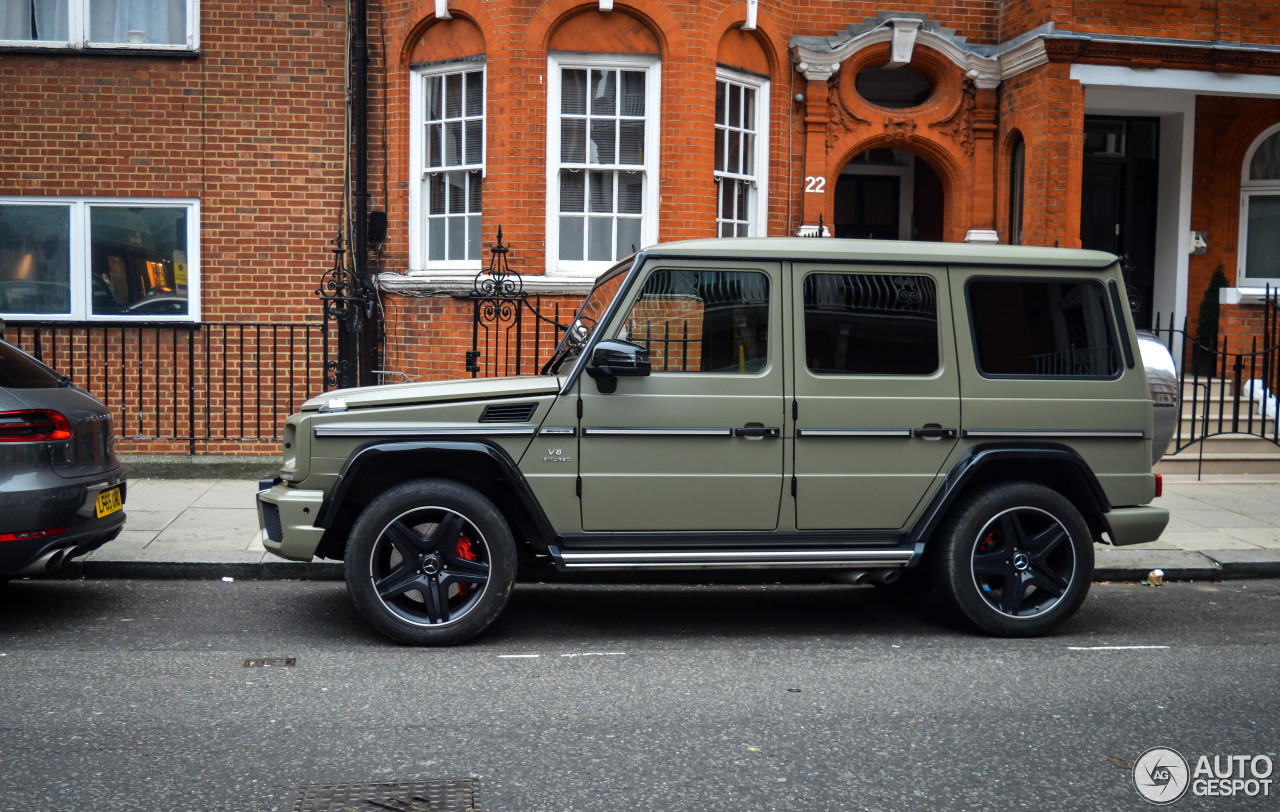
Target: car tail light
[[33, 426], [27, 535], [1159, 486]]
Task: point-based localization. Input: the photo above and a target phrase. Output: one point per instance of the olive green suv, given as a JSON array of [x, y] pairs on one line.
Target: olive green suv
[[970, 417]]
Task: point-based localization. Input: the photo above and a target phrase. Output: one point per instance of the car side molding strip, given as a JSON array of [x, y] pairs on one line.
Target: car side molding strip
[[1052, 434], [679, 559], [657, 431], [853, 432], [420, 431]]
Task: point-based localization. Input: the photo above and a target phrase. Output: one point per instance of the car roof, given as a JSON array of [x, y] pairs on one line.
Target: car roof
[[883, 251]]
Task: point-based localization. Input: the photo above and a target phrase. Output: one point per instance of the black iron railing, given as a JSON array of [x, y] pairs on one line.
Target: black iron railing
[[1229, 388], [186, 383]]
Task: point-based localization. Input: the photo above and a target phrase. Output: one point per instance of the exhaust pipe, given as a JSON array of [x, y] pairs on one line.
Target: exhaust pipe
[[854, 577], [49, 560], [885, 577]]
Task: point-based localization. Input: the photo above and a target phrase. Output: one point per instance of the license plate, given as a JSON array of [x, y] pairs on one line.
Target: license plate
[[108, 502]]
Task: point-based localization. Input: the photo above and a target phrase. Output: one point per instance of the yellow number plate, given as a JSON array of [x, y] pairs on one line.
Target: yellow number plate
[[109, 502]]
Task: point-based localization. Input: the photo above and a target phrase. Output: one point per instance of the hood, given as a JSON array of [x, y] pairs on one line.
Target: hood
[[404, 394]]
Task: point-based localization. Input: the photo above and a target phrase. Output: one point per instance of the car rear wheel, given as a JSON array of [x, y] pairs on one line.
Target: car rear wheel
[[430, 562], [1016, 560]]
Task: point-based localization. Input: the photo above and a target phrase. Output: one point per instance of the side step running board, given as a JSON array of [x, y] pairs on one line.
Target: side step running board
[[699, 559]]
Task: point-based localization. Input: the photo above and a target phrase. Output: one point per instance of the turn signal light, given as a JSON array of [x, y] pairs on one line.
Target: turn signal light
[[1159, 485], [33, 426]]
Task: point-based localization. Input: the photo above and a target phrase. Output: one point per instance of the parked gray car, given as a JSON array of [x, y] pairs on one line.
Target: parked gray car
[[62, 489]]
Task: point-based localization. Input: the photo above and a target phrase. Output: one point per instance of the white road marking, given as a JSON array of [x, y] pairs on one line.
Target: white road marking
[[518, 656], [1111, 648], [597, 654]]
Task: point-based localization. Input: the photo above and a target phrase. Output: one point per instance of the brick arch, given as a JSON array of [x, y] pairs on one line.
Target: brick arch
[[423, 17], [654, 14], [766, 35], [942, 157], [1011, 126]]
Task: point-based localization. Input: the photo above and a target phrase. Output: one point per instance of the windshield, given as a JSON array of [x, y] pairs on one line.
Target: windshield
[[588, 317]]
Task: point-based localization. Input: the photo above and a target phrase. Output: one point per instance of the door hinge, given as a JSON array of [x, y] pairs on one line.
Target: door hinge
[[579, 408], [795, 410], [578, 486], [793, 486]]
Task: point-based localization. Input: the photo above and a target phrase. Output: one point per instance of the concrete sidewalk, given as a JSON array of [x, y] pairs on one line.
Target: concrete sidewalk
[[1222, 527]]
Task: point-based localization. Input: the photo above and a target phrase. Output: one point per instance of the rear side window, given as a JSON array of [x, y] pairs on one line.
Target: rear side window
[[1042, 328], [870, 324], [20, 371]]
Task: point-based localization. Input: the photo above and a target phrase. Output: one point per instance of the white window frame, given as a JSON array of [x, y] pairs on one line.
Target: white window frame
[[1249, 189], [80, 253], [758, 222], [419, 172], [652, 66], [78, 33]]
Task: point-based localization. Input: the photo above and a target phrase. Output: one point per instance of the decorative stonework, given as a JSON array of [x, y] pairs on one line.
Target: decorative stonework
[[842, 120], [959, 125], [899, 130]]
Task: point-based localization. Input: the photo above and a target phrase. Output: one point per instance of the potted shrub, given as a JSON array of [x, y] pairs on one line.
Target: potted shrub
[[1204, 353]]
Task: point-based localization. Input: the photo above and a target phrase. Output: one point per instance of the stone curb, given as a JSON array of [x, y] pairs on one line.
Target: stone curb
[[165, 466]]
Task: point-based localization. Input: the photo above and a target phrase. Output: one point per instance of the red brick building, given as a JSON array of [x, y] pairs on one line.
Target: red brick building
[[587, 129]]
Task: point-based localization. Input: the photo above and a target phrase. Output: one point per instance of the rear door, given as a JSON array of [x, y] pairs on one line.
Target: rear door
[[877, 407]]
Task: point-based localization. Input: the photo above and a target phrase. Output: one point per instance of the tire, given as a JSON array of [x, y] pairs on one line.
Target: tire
[[1016, 560], [430, 563]]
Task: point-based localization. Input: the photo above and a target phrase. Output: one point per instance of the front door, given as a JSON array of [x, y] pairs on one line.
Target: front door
[[697, 444], [868, 206], [1119, 197], [877, 394]]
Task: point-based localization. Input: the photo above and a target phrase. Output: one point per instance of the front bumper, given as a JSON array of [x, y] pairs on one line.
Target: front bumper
[[286, 520]]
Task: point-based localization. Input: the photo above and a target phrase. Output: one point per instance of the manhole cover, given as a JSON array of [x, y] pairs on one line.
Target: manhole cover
[[409, 796]]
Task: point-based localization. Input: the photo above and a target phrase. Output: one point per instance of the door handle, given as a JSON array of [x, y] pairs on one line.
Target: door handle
[[758, 431], [935, 433]]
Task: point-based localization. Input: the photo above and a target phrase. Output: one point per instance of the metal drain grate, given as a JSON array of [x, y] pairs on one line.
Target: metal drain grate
[[267, 662], [409, 796]]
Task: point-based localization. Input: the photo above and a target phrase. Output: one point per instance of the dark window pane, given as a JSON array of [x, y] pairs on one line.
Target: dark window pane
[[573, 191], [721, 90], [631, 143], [435, 99], [869, 324], [1042, 328], [703, 321], [604, 92], [1262, 249], [571, 231], [453, 95], [35, 259], [633, 93], [573, 136], [573, 92], [603, 141], [475, 93], [138, 262]]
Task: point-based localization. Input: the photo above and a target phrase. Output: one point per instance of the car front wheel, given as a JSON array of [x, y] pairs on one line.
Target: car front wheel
[[1016, 560], [430, 562]]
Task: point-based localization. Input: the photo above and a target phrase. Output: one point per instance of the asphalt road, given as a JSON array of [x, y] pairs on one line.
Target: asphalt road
[[133, 695]]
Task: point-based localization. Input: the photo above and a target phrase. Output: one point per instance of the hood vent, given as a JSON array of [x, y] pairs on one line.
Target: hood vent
[[508, 413]]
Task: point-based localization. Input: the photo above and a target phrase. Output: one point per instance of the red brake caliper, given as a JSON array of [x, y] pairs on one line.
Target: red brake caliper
[[464, 551]]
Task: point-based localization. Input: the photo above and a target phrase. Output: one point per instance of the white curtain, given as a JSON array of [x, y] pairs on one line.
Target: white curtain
[[50, 18], [151, 21]]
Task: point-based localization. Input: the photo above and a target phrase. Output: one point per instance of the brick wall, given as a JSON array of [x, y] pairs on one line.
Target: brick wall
[[252, 127]]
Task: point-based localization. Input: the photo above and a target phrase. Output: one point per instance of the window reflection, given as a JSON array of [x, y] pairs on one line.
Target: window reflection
[[139, 260]]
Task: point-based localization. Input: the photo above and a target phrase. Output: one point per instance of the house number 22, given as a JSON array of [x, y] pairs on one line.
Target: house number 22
[[814, 185]]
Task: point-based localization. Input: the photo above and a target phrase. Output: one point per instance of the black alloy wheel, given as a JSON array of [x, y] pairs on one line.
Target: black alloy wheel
[[430, 562], [1016, 560]]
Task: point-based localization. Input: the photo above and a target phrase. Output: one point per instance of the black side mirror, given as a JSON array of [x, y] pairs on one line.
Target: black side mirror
[[613, 359]]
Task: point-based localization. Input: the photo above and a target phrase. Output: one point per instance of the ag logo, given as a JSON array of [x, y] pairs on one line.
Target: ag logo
[[1161, 775]]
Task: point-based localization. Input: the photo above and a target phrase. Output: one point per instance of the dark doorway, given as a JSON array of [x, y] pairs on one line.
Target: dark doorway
[[1118, 205], [867, 206], [888, 194]]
